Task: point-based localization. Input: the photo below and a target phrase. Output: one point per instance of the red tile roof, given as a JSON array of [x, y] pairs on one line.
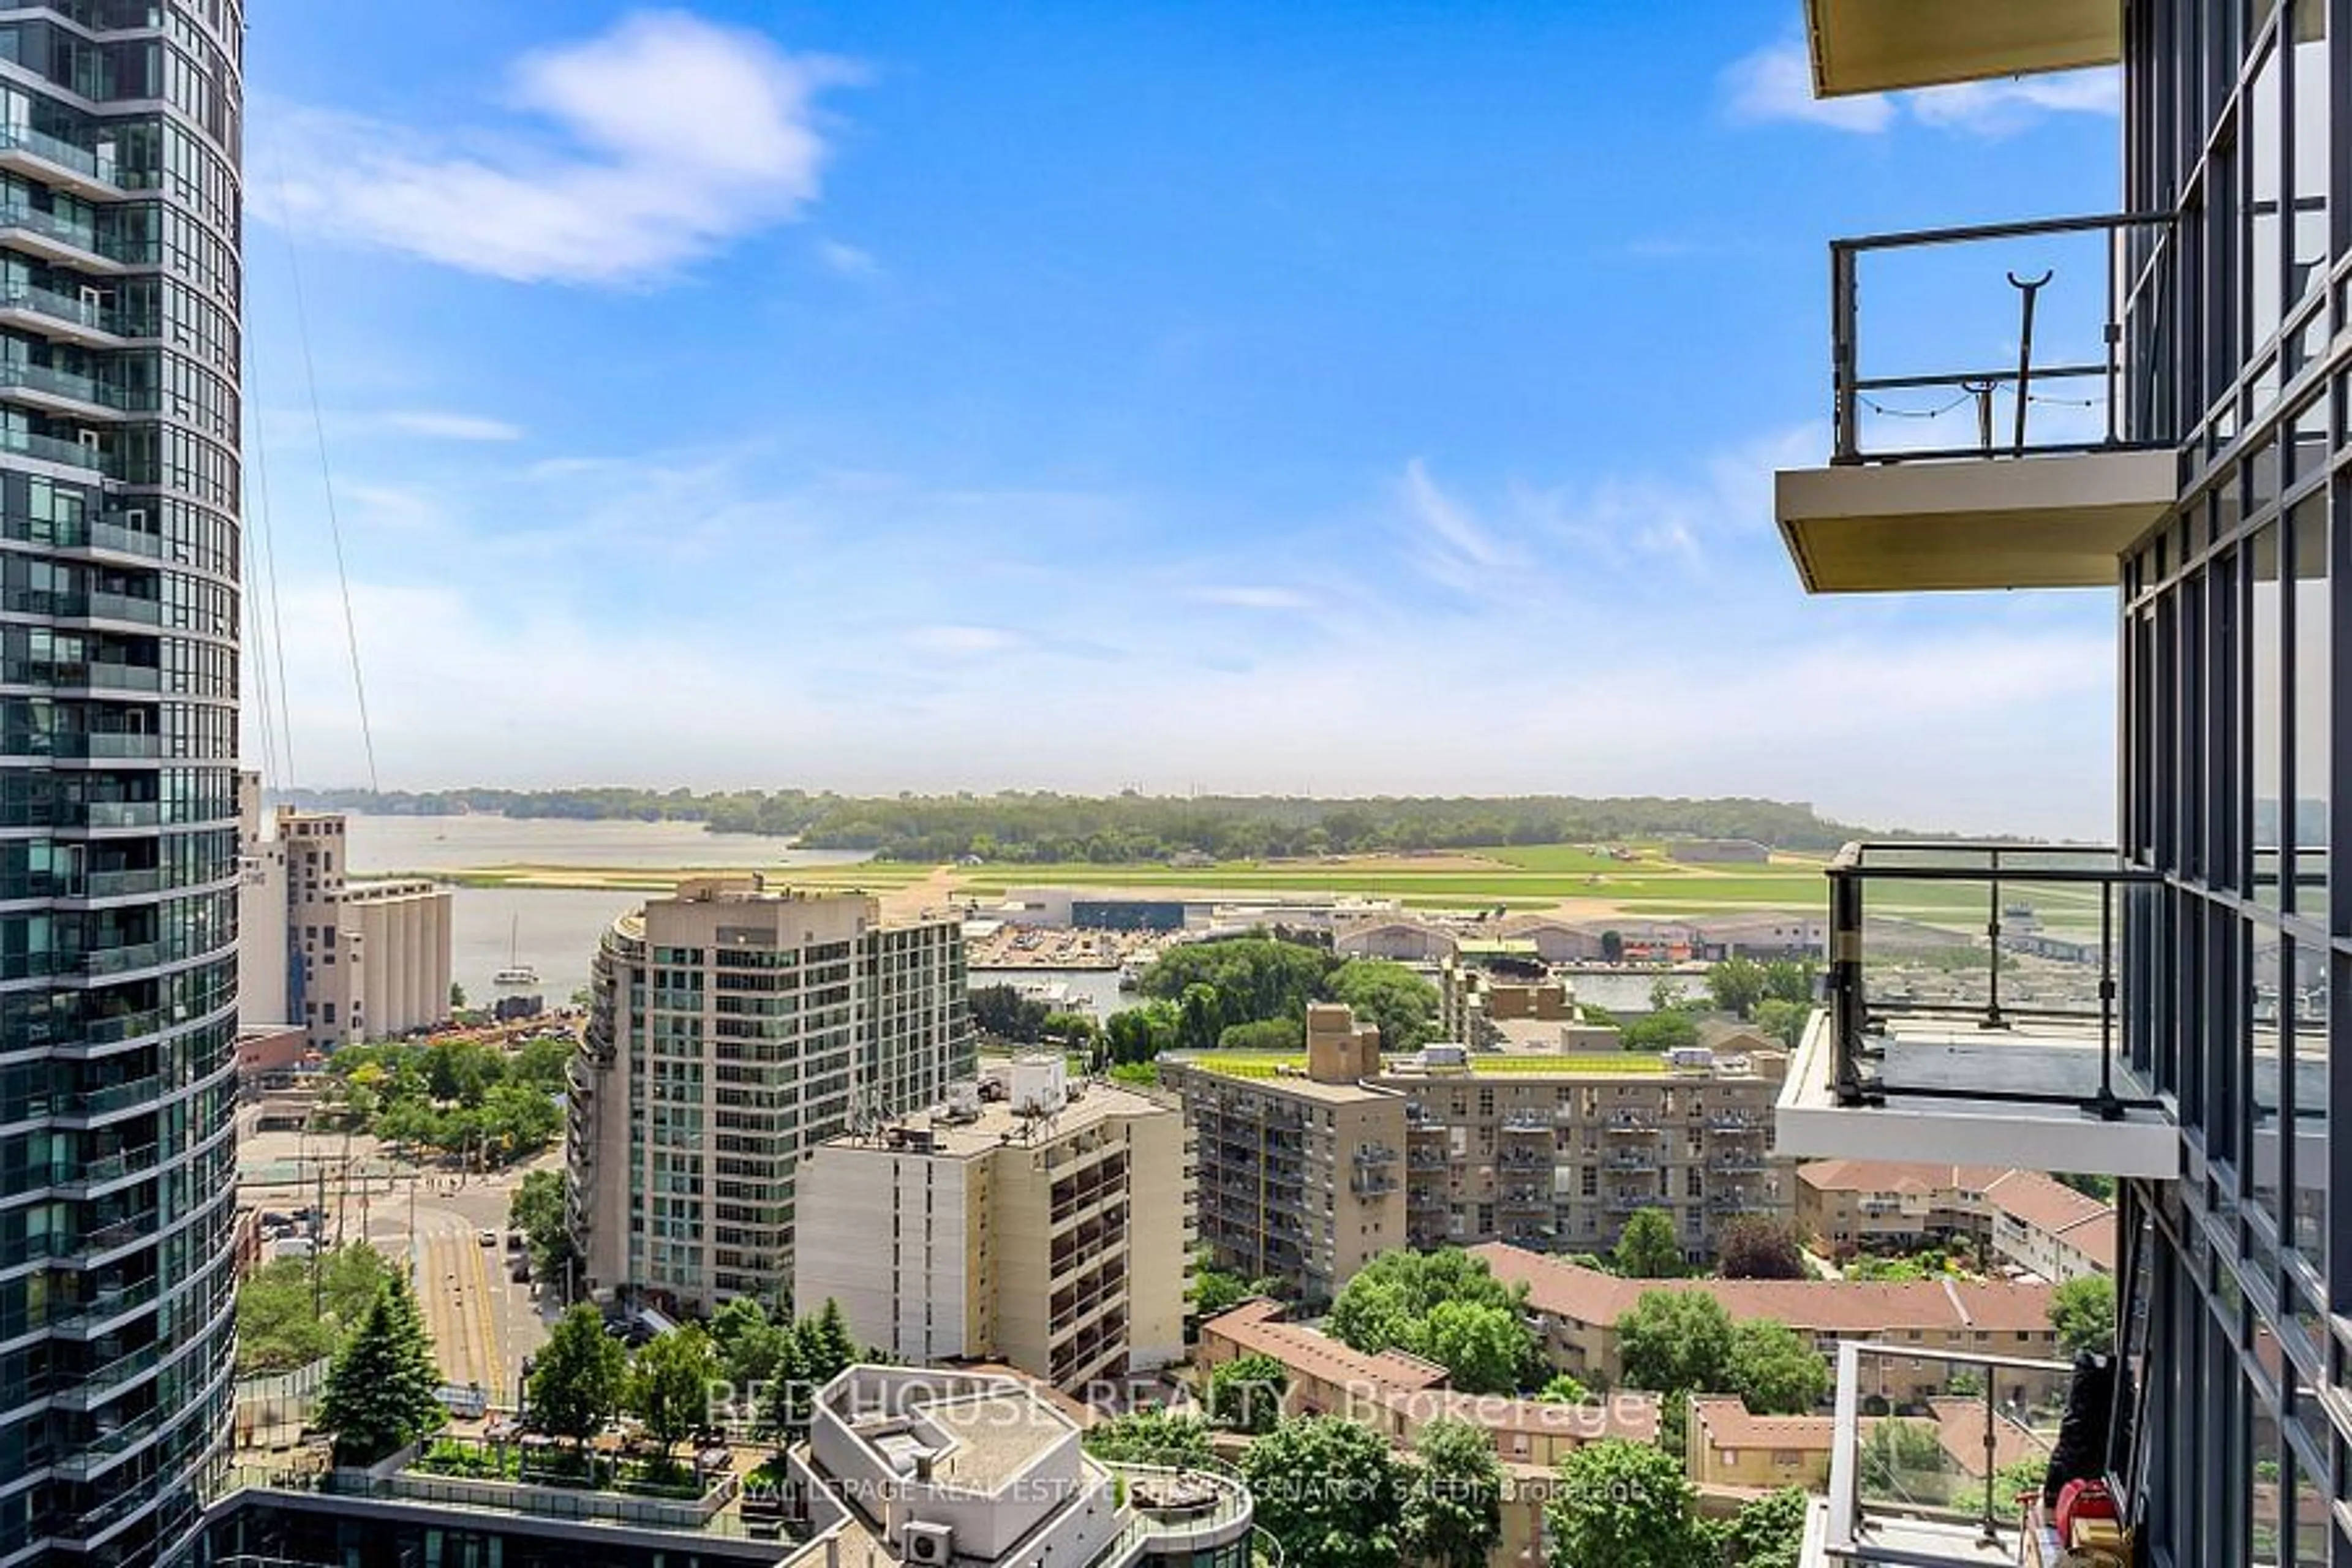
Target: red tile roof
[[1844, 1308]]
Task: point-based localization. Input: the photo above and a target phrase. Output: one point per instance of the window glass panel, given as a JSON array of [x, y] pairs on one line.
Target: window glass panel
[[2263, 108], [2308, 255], [2305, 1003], [2269, 1148], [2264, 699], [2313, 693]]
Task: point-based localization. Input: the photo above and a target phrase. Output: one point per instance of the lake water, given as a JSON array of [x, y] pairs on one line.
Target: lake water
[[553, 929], [1097, 987]]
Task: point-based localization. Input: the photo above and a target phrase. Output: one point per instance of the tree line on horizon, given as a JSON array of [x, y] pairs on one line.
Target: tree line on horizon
[[1036, 828]]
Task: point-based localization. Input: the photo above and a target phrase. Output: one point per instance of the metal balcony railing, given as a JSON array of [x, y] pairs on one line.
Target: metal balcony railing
[[1935, 1454], [1960, 946], [2068, 295]]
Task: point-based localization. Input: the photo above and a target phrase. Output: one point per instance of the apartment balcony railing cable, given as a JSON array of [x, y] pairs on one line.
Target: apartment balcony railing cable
[[2135, 266]]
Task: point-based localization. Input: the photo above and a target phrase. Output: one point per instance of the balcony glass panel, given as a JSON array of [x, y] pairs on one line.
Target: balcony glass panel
[[1992, 341]]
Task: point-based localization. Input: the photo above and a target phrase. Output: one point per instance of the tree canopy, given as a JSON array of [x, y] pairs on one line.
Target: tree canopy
[[1646, 1247], [380, 1394], [669, 1384], [1627, 1505], [454, 1096], [1245, 1394], [1674, 1342], [2083, 1311], [1453, 1500], [283, 1322], [1754, 1248], [1329, 1491], [1151, 1437], [578, 1376], [1445, 1306]]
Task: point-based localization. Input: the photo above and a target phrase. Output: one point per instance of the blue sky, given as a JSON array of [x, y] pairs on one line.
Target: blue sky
[[1334, 397]]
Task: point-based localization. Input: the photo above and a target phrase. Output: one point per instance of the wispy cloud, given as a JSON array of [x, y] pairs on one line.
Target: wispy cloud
[[445, 427], [1447, 542], [847, 261], [672, 137], [1775, 85], [963, 642], [1252, 596]]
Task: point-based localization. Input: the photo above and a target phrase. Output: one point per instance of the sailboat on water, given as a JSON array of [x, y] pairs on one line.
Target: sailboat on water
[[516, 973]]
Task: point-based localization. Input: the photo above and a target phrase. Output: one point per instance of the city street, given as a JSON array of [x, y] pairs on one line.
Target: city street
[[482, 1323]]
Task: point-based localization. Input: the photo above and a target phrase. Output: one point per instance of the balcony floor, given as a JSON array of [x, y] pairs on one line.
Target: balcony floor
[[1943, 1055], [1906, 1540]]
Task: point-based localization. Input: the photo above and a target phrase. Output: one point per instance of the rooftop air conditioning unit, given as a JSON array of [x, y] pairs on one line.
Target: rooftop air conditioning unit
[[930, 1545]]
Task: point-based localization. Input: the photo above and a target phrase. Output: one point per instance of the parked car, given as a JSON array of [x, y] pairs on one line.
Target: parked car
[[487, 1238]]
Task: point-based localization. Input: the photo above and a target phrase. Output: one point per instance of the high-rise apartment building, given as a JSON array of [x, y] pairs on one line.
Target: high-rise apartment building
[[731, 1030], [345, 961], [2186, 1036], [118, 515], [1305, 1174], [1026, 1219]]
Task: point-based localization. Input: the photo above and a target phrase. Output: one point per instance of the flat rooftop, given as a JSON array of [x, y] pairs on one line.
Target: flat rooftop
[[994, 1438], [999, 1123]]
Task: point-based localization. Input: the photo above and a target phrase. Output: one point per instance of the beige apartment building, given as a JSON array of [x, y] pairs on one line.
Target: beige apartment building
[[1300, 1172], [1576, 1311], [730, 1030], [2021, 1218], [1028, 1218], [346, 961], [1397, 1395]]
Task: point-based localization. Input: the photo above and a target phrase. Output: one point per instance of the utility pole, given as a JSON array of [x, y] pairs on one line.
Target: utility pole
[[318, 1224]]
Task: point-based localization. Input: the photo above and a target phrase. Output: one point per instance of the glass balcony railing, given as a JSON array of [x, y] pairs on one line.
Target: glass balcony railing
[[57, 450], [65, 155], [1981, 972], [2069, 300], [63, 384], [1938, 1458], [33, 220], [79, 310]]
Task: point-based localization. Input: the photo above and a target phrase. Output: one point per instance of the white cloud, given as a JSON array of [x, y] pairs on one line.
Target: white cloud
[[673, 137], [445, 427], [2003, 108], [1449, 544], [1776, 84], [847, 259], [1636, 632], [963, 642], [1252, 596]]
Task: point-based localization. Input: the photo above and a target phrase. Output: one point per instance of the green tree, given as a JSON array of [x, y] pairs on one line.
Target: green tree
[[379, 1393], [836, 1348], [1627, 1505], [1402, 1002], [1075, 1031], [1789, 982], [2016, 1478], [1151, 1437], [1328, 1491], [542, 1064], [1768, 1532], [1666, 995], [1453, 1513], [456, 996], [1736, 985], [1672, 1341], [1612, 947], [1140, 1034], [462, 1071], [1904, 1460], [1483, 1349], [1670, 1030], [668, 1385], [536, 1209], [578, 1377], [1384, 1301], [1646, 1247], [1215, 1291], [1003, 1012], [1754, 1248], [1774, 1368], [1783, 1021], [1246, 1394], [1564, 1388], [292, 1310], [2084, 1312], [747, 1343], [1200, 1018], [780, 1413]]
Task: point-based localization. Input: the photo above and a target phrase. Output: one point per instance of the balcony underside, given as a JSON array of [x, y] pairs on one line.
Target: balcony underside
[[1922, 1110], [1873, 45], [2057, 521]]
